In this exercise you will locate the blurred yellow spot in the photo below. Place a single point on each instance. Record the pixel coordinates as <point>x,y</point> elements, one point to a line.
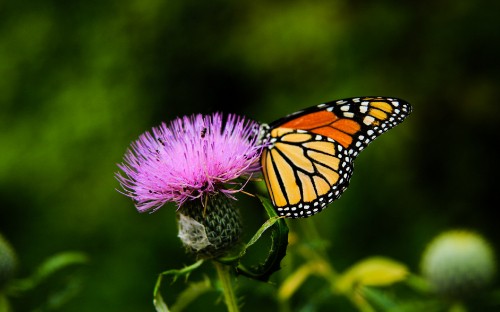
<point>375,271</point>
<point>294,281</point>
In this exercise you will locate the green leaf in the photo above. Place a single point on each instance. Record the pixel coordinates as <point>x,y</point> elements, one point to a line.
<point>190,294</point>
<point>296,279</point>
<point>48,268</point>
<point>378,298</point>
<point>374,271</point>
<point>388,302</point>
<point>233,256</point>
<point>58,262</point>
<point>270,222</point>
<point>279,243</point>
<point>158,301</point>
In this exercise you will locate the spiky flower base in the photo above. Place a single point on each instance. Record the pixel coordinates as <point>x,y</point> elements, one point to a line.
<point>210,229</point>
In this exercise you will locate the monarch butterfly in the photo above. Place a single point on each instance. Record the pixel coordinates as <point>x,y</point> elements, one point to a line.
<point>308,156</point>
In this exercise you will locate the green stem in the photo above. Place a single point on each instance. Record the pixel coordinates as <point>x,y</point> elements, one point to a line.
<point>227,287</point>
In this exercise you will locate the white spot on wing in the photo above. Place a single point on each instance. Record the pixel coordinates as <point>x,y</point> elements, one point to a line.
<point>368,120</point>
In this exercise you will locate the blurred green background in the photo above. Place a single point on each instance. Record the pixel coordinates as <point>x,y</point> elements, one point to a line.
<point>80,80</point>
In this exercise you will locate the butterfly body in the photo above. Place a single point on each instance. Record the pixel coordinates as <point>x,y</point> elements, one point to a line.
<point>308,157</point>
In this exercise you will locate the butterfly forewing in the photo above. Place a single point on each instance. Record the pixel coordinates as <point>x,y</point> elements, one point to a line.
<point>308,159</point>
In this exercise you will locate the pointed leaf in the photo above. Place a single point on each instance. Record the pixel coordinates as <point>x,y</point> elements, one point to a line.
<point>159,303</point>
<point>50,266</point>
<point>279,243</point>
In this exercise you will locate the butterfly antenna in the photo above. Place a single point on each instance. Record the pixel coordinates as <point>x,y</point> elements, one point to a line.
<point>247,193</point>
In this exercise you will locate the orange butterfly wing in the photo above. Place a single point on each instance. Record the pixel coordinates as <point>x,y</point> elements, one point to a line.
<point>308,160</point>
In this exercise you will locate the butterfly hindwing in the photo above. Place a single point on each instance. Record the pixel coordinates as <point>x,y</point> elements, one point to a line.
<point>308,158</point>
<point>304,172</point>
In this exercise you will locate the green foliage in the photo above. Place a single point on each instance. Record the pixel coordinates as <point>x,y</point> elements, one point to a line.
<point>279,243</point>
<point>184,298</point>
<point>59,269</point>
<point>261,272</point>
<point>81,79</point>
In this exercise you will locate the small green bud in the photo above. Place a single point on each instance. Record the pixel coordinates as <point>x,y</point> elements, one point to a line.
<point>8,261</point>
<point>458,263</point>
<point>211,229</point>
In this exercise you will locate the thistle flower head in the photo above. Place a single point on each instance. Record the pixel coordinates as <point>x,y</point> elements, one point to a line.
<point>190,158</point>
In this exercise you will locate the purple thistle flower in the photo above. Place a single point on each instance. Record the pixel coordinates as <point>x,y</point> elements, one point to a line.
<point>189,159</point>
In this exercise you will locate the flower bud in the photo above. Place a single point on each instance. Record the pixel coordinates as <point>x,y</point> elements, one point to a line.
<point>458,263</point>
<point>209,229</point>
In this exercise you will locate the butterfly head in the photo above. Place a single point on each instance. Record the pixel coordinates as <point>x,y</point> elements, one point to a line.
<point>263,134</point>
